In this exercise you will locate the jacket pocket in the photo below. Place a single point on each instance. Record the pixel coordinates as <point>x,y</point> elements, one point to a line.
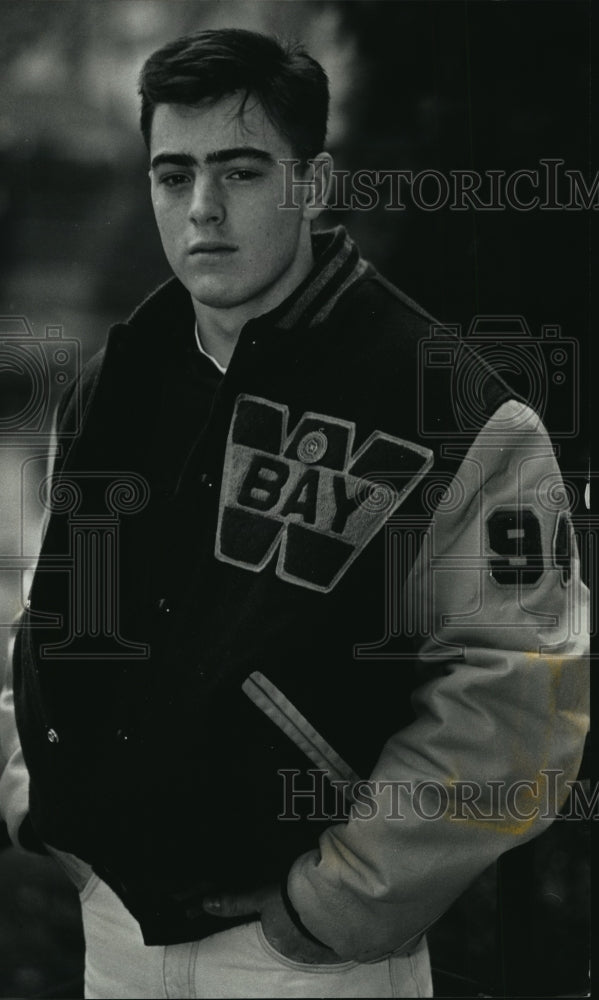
<point>267,697</point>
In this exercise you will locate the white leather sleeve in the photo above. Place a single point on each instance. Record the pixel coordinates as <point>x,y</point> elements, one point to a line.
<point>503,705</point>
<point>14,776</point>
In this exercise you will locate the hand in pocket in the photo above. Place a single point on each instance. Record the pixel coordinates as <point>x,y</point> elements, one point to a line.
<point>279,929</point>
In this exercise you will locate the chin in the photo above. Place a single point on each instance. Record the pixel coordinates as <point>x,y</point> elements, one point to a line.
<point>217,299</point>
<point>220,296</point>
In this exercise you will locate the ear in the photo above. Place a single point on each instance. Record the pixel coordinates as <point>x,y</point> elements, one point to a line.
<point>319,173</point>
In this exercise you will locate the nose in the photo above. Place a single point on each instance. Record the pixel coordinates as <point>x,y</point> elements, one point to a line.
<point>206,202</point>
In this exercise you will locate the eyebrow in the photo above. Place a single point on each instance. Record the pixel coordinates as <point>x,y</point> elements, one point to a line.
<point>218,156</point>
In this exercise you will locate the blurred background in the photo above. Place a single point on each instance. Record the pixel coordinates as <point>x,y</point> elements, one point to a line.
<point>415,86</point>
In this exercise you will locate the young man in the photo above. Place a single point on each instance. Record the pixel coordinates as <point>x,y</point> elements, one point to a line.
<point>201,694</point>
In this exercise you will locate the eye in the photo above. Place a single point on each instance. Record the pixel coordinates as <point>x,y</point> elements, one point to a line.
<point>173,180</point>
<point>243,174</point>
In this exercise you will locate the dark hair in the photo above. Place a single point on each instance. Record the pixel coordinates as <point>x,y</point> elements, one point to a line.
<point>291,86</point>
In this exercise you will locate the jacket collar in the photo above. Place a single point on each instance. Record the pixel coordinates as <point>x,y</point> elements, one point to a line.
<point>337,266</point>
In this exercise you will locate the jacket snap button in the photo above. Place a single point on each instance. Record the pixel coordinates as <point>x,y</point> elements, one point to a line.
<point>312,447</point>
<point>52,736</point>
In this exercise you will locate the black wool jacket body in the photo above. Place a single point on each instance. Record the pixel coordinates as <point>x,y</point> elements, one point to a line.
<point>310,587</point>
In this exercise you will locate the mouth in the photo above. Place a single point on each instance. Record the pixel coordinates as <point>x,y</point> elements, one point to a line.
<point>211,249</point>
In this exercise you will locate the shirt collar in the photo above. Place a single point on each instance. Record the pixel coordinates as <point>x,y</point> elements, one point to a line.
<point>222,368</point>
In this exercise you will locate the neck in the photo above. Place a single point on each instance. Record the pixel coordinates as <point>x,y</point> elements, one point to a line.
<point>219,329</point>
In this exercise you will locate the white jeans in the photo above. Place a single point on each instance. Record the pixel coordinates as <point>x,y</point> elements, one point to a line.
<point>238,962</point>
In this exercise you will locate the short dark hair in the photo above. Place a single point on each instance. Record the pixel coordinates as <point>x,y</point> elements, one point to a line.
<point>207,65</point>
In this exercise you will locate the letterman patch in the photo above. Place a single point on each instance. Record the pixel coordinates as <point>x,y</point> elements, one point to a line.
<point>303,493</point>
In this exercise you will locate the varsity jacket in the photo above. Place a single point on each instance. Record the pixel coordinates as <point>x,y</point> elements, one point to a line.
<point>342,645</point>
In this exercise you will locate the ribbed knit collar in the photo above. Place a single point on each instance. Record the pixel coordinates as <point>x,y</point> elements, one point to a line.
<point>337,265</point>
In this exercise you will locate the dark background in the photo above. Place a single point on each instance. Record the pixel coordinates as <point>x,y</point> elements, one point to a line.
<point>416,85</point>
